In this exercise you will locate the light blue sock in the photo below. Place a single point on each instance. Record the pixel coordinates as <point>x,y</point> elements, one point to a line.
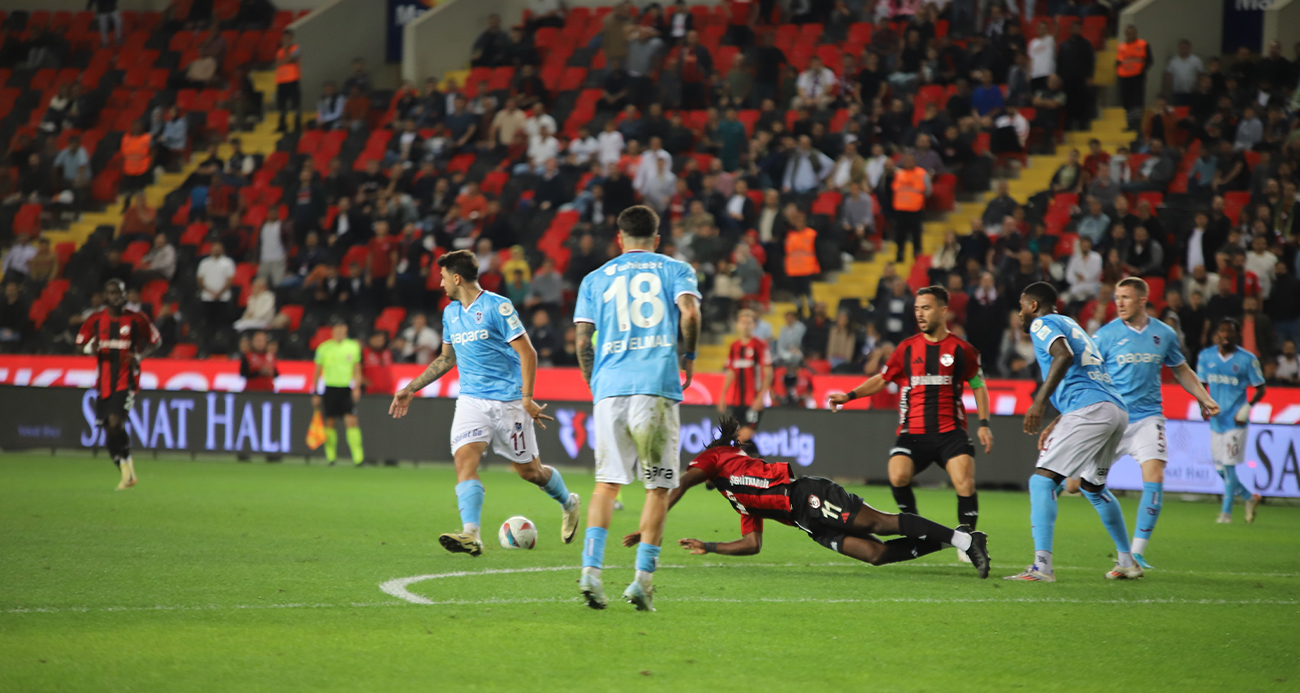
<point>469,498</point>
<point>1112,517</point>
<point>593,547</point>
<point>647,557</point>
<point>1042,511</point>
<point>1242,492</point>
<point>555,488</point>
<point>1153,497</point>
<point>1230,484</point>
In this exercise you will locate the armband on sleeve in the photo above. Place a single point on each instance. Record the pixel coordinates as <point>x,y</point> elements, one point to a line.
<point>978,381</point>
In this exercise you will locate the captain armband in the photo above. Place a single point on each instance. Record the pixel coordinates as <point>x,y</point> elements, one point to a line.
<point>978,381</point>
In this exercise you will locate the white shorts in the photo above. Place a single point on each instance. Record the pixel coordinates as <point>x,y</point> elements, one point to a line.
<point>1084,441</point>
<point>504,424</point>
<point>638,436</point>
<point>1228,449</point>
<point>1145,440</point>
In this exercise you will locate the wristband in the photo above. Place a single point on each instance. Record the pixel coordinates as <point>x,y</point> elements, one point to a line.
<point>710,547</point>
<point>688,355</point>
<point>852,394</point>
<point>984,423</point>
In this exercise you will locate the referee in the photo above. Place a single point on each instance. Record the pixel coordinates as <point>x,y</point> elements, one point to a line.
<point>339,361</point>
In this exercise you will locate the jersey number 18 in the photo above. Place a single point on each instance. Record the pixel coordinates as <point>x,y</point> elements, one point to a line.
<point>645,288</point>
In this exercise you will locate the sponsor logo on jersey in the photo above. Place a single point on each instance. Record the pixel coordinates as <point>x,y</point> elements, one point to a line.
<point>478,317</point>
<point>506,308</point>
<point>931,380</point>
<point>471,433</point>
<point>814,502</point>
<point>467,337</point>
<point>1216,378</point>
<point>1156,338</point>
<point>753,481</point>
<point>116,344</point>
<point>125,330</point>
<point>946,360</point>
<point>1121,359</point>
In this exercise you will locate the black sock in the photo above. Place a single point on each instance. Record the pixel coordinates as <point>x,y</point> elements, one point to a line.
<point>917,527</point>
<point>118,442</point>
<point>907,548</point>
<point>968,510</point>
<point>904,497</point>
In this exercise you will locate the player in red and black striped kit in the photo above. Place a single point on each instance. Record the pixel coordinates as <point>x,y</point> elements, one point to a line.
<point>748,378</point>
<point>930,368</point>
<point>833,517</point>
<point>119,338</point>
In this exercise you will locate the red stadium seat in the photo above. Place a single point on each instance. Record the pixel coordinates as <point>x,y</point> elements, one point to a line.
<point>184,350</point>
<point>294,314</point>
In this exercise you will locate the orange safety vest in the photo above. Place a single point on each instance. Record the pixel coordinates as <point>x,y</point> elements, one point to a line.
<point>1131,57</point>
<point>135,154</point>
<point>287,72</point>
<point>801,253</point>
<point>909,189</point>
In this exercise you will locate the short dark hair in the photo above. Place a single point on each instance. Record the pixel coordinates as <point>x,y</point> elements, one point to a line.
<point>1135,283</point>
<point>1042,292</point>
<point>639,222</point>
<point>1230,321</point>
<point>940,294</point>
<point>462,263</point>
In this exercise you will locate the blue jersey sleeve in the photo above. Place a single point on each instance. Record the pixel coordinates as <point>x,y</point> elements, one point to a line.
<point>685,282</point>
<point>1044,333</point>
<point>584,311</point>
<point>446,330</point>
<point>1203,366</point>
<point>1173,352</point>
<point>1256,373</point>
<point>507,321</point>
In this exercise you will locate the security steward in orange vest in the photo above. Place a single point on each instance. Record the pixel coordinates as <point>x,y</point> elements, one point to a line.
<point>288,81</point>
<point>801,258</point>
<point>911,188</point>
<point>137,160</point>
<point>1132,60</point>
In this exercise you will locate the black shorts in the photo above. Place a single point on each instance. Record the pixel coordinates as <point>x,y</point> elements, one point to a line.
<point>824,510</point>
<point>746,416</point>
<point>119,403</point>
<point>936,448</point>
<point>336,402</point>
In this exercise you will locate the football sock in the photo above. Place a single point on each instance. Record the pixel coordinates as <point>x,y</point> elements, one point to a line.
<point>555,488</point>
<point>960,540</point>
<point>118,443</point>
<point>968,510</point>
<point>354,444</point>
<point>1043,561</point>
<point>593,548</point>
<point>127,470</point>
<point>1153,497</point>
<point>1230,483</point>
<point>469,498</point>
<point>331,445</point>
<point>905,498</point>
<point>907,548</point>
<point>1042,514</point>
<point>1113,519</point>
<point>647,557</point>
<point>919,528</point>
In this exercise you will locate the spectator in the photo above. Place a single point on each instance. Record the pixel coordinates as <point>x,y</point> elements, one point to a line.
<point>288,81</point>
<point>1104,188</point>
<point>274,239</point>
<point>381,263</point>
<point>115,269</point>
<point>259,313</point>
<point>73,168</point>
<point>356,110</point>
<point>1283,305</point>
<point>741,215</point>
<point>645,53</point>
<point>1069,176</point>
<point>1257,335</point>
<point>44,264</point>
<point>1083,273</point>
<point>489,49</point>
<point>695,69</point>
<point>1233,173</point>
<point>858,215</point>
<point>987,99</point>
<point>1262,262</point>
<point>658,187</point>
<point>1017,358</point>
<point>137,160</point>
<point>817,86</point>
<point>139,223</point>
<point>768,62</point>
<point>927,158</point>
<point>806,169</point>
<point>1156,172</point>
<point>1182,73</point>
<point>895,310</point>
<point>1145,257</point>
<point>544,338</point>
<point>1001,206</point>
<point>516,289</point>
<point>1250,130</point>
<point>330,107</point>
<point>422,342</point>
<point>171,138</point>
<point>358,78</point>
<point>547,288</point>
<point>508,125</point>
<point>216,274</point>
<point>1288,366</point>
<point>1132,60</point>
<point>109,18</point>
<point>15,326</point>
<point>1042,57</point>
<point>617,34</point>
<point>1224,304</point>
<point>911,189</point>
<point>157,264</point>
<point>801,263</point>
<point>789,345</point>
<point>1075,65</point>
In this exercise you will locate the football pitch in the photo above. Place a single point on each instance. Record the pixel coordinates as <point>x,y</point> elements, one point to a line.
<point>216,576</point>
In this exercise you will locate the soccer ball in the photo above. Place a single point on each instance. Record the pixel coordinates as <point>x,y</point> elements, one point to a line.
<point>518,532</point>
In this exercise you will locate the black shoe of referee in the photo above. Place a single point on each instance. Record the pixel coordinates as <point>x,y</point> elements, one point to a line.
<point>978,553</point>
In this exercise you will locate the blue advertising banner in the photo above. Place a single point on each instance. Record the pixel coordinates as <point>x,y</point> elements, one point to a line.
<point>401,12</point>
<point>1243,24</point>
<point>1272,467</point>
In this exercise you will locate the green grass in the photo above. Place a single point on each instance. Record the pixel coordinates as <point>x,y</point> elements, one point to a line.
<point>224,577</point>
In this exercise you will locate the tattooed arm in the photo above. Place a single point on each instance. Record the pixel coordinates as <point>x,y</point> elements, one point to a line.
<point>586,349</point>
<point>690,322</point>
<point>440,367</point>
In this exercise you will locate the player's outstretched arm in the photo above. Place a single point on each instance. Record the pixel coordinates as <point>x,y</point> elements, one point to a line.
<point>748,545</point>
<point>528,374</point>
<point>438,368</point>
<point>1187,378</point>
<point>982,410</point>
<point>874,385</point>
<point>694,476</point>
<point>1061,361</point>
<point>689,306</point>
<point>586,348</point>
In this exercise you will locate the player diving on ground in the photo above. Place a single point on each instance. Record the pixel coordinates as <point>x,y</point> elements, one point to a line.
<point>485,339</point>
<point>833,517</point>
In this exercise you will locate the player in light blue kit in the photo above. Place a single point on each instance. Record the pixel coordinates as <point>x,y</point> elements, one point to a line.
<point>1082,441</point>
<point>627,318</point>
<point>1229,370</point>
<point>484,338</point>
<point>1134,348</point>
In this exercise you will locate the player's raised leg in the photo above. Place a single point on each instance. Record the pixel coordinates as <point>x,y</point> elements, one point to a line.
<point>901,470</point>
<point>549,480</point>
<point>515,438</point>
<point>920,537</point>
<point>655,426</point>
<point>469,500</point>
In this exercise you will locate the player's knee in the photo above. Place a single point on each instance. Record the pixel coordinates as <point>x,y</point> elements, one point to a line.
<point>533,473</point>
<point>350,421</point>
<point>899,477</point>
<point>1153,472</point>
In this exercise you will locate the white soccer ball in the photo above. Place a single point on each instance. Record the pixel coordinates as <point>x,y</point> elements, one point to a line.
<point>518,532</point>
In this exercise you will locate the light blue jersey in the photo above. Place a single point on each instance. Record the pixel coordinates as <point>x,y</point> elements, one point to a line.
<point>1227,377</point>
<point>1087,382</point>
<point>1133,358</point>
<point>481,335</point>
<point>632,301</point>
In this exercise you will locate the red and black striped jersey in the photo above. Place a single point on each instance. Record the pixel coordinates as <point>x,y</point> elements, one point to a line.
<point>747,359</point>
<point>930,376</point>
<point>755,488</point>
<point>117,339</point>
